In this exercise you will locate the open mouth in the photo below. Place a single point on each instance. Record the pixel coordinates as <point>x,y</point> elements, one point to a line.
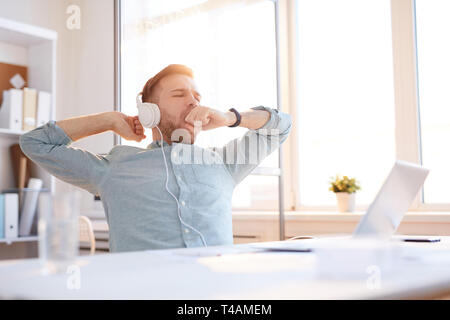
<point>189,127</point>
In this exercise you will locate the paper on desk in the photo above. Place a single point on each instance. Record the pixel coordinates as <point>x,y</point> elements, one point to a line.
<point>257,262</point>
<point>189,254</point>
<point>215,251</point>
<point>439,256</point>
<point>237,259</point>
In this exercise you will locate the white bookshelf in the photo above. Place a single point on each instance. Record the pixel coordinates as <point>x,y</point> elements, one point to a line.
<point>35,48</point>
<point>9,132</point>
<point>20,239</point>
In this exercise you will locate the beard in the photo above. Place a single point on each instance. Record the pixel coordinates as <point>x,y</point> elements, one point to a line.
<point>183,134</point>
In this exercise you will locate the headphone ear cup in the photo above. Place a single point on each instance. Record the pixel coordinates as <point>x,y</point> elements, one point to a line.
<point>149,114</point>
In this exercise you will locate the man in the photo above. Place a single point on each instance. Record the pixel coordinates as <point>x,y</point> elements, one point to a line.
<point>131,181</point>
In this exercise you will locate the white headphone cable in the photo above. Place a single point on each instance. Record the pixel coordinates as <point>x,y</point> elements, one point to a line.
<point>167,188</point>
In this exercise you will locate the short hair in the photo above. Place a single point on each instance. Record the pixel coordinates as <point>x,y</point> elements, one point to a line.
<point>170,69</point>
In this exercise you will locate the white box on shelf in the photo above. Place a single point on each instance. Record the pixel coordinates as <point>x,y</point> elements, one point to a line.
<point>11,201</point>
<point>43,108</point>
<point>12,109</point>
<point>2,216</point>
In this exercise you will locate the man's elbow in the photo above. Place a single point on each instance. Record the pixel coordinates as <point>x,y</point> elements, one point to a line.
<point>286,124</point>
<point>28,145</point>
<point>289,119</point>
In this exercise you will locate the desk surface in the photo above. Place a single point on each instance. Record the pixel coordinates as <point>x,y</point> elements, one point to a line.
<point>228,272</point>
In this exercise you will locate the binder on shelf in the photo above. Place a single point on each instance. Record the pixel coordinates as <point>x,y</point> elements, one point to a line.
<point>43,108</point>
<point>2,216</point>
<point>11,112</point>
<point>29,109</point>
<point>28,209</point>
<point>11,202</point>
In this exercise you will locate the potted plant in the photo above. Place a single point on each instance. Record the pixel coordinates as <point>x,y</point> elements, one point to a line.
<point>345,189</point>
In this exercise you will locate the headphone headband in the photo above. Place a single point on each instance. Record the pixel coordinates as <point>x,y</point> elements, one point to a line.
<point>138,98</point>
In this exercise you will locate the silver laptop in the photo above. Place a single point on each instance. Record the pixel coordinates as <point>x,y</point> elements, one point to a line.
<point>384,214</point>
<point>392,201</point>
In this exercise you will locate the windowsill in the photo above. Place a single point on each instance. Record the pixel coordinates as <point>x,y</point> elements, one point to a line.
<point>412,216</point>
<point>100,225</point>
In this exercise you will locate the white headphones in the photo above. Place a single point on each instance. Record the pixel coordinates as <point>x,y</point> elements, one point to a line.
<point>149,114</point>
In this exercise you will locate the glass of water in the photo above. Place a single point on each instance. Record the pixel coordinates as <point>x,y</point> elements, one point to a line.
<point>58,231</point>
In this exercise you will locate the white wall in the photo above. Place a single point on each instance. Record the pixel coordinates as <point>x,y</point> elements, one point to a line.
<point>89,85</point>
<point>13,54</point>
<point>85,62</point>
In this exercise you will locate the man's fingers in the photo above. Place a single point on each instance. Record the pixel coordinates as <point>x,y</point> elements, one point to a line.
<point>131,123</point>
<point>137,123</point>
<point>137,126</point>
<point>204,120</point>
<point>198,114</point>
<point>188,118</point>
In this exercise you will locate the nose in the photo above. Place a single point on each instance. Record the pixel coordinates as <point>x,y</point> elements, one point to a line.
<point>193,102</point>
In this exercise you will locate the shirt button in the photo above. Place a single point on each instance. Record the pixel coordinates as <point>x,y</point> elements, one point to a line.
<point>183,204</point>
<point>186,230</point>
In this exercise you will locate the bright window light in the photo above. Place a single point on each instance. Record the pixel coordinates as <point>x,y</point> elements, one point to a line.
<point>346,115</point>
<point>230,45</point>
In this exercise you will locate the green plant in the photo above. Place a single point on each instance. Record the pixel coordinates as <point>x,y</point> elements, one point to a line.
<point>344,184</point>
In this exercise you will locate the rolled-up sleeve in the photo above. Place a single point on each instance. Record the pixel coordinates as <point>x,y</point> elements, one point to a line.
<point>48,146</point>
<point>242,155</point>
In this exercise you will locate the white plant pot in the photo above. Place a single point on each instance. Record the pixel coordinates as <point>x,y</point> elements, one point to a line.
<point>346,201</point>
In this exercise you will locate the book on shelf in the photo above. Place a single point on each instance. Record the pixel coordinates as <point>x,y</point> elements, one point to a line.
<point>23,167</point>
<point>29,109</point>
<point>29,206</point>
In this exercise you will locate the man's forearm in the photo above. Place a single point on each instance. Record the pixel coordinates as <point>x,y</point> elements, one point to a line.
<point>253,119</point>
<point>84,126</point>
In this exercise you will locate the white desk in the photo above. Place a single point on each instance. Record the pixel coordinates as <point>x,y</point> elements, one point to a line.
<point>232,272</point>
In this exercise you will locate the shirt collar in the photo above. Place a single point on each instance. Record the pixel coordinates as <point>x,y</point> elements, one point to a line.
<point>157,144</point>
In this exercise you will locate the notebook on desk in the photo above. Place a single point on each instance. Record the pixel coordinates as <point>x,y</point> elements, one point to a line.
<point>384,215</point>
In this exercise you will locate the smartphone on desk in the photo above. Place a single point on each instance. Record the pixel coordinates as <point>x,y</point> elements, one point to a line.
<point>420,238</point>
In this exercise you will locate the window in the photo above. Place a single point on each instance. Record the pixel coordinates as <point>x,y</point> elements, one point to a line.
<point>231,47</point>
<point>433,52</point>
<point>346,112</point>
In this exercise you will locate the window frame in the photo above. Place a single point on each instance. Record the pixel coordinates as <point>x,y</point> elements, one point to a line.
<point>407,111</point>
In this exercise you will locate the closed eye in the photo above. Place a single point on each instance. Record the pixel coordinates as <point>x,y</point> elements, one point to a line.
<point>182,95</point>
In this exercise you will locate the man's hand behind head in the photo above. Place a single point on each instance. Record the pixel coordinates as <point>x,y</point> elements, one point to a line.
<point>129,128</point>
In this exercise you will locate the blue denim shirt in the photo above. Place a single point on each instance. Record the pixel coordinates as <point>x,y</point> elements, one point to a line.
<point>140,213</point>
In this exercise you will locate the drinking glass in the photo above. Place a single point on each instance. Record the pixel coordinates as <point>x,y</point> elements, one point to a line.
<point>58,231</point>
